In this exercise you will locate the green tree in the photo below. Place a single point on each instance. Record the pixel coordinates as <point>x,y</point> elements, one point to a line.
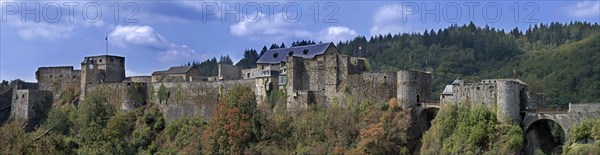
<point>235,125</point>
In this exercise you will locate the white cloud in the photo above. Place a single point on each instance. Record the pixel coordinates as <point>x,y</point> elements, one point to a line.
<point>275,28</point>
<point>266,27</point>
<point>145,36</point>
<point>585,9</point>
<point>389,28</point>
<point>28,28</point>
<point>31,31</point>
<point>129,72</point>
<point>178,54</point>
<point>388,19</point>
<point>337,33</point>
<point>387,13</point>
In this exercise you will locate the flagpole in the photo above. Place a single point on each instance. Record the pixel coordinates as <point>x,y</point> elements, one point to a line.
<point>106,39</point>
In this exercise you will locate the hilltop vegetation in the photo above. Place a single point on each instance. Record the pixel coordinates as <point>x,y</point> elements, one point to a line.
<point>585,138</point>
<point>470,130</point>
<point>559,60</point>
<point>238,126</point>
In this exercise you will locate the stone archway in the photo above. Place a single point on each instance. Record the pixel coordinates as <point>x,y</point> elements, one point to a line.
<point>426,116</point>
<point>546,135</point>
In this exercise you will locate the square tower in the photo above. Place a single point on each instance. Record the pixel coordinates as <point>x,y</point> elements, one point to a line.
<point>102,69</point>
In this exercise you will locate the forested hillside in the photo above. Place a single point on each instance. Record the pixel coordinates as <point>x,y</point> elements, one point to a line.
<point>560,60</point>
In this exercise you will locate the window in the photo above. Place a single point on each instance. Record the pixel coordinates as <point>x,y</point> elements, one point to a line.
<point>50,76</point>
<point>60,76</point>
<point>112,60</point>
<point>100,60</point>
<point>418,99</point>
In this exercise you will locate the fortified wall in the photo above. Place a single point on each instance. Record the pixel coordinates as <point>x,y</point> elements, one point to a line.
<point>375,87</point>
<point>508,96</point>
<point>175,99</point>
<point>317,80</point>
<point>60,81</point>
<point>186,99</point>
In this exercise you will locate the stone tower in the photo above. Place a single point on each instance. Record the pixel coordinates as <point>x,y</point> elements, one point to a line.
<point>101,69</point>
<point>414,87</point>
<point>511,95</point>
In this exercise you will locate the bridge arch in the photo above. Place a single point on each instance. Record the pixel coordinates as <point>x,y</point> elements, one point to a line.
<point>425,116</point>
<point>545,134</point>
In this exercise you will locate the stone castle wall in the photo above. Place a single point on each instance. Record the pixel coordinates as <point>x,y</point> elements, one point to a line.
<point>186,99</point>
<point>535,101</point>
<point>476,94</point>
<point>125,96</point>
<point>28,104</point>
<point>138,79</point>
<point>58,80</point>
<point>372,87</point>
<point>229,72</point>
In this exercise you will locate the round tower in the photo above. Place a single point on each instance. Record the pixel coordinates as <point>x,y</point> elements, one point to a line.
<point>510,100</point>
<point>414,87</point>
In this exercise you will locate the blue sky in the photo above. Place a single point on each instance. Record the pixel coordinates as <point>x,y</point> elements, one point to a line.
<point>154,35</point>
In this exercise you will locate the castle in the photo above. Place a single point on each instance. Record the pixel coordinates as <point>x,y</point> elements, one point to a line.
<point>309,75</point>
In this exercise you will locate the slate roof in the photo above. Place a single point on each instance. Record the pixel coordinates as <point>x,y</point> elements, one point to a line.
<point>274,56</point>
<point>174,70</point>
<point>448,90</point>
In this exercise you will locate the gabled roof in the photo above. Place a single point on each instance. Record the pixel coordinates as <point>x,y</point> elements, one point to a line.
<point>274,56</point>
<point>174,70</point>
<point>448,90</point>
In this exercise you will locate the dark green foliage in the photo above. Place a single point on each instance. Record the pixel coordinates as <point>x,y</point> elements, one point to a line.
<point>58,121</point>
<point>208,68</point>
<point>163,94</point>
<point>559,60</point>
<point>225,60</point>
<point>182,136</point>
<point>237,127</point>
<point>584,138</point>
<point>263,50</point>
<point>274,46</point>
<point>249,59</point>
<point>302,43</point>
<point>470,130</point>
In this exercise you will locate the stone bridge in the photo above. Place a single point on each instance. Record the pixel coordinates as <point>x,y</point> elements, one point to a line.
<point>566,118</point>
<point>537,124</point>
